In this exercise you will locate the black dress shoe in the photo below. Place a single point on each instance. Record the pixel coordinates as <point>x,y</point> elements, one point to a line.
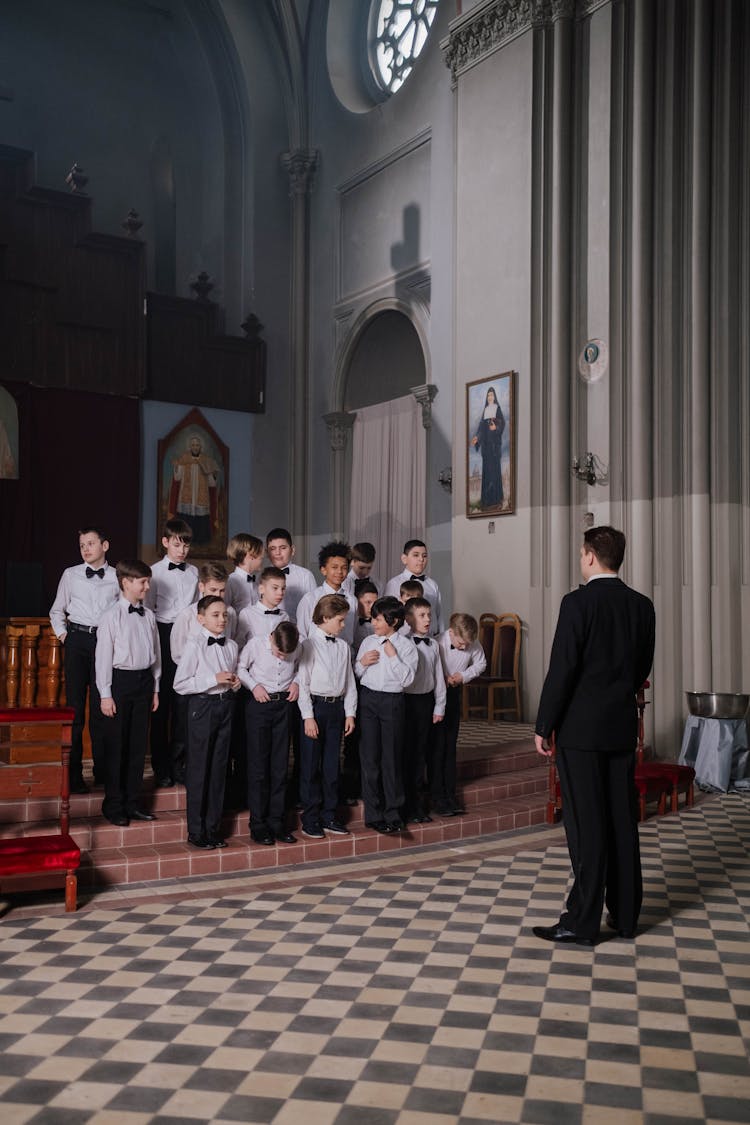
<point>266,838</point>
<point>558,932</point>
<point>164,782</point>
<point>314,833</point>
<point>217,841</point>
<point>79,786</point>
<point>336,827</point>
<point>118,821</point>
<point>629,934</point>
<point>395,825</point>
<point>200,842</point>
<point>379,826</point>
<point>139,814</point>
<point>286,838</point>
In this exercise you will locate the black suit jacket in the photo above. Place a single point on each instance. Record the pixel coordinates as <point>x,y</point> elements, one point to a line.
<point>602,653</point>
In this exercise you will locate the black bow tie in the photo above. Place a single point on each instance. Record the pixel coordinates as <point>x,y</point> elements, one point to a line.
<point>136,609</point>
<point>90,573</point>
<point>176,566</point>
<point>275,612</point>
<point>421,640</point>
<point>330,638</point>
<point>365,620</point>
<point>251,577</point>
<point>417,578</point>
<point>216,641</point>
<point>284,569</point>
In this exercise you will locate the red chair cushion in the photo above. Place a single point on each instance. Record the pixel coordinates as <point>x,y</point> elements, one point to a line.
<point>668,770</point>
<point>27,854</point>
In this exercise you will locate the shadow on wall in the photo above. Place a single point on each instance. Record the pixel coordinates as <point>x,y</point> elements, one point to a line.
<point>405,254</point>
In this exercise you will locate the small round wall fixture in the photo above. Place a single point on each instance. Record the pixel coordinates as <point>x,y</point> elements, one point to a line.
<point>398,31</point>
<point>593,360</point>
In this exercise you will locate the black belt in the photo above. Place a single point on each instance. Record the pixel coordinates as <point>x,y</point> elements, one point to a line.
<point>72,627</point>
<point>274,696</point>
<point>214,695</point>
<point>326,698</point>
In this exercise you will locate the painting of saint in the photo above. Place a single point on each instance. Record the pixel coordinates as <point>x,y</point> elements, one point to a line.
<point>192,496</point>
<point>193,481</point>
<point>489,482</point>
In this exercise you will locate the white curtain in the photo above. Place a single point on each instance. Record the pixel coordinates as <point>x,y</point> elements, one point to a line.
<point>388,486</point>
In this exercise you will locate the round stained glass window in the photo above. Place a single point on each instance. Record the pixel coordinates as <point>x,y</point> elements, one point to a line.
<point>398,32</point>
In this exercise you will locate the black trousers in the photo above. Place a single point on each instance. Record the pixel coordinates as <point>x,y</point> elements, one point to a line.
<point>600,814</point>
<point>168,722</point>
<point>419,728</point>
<point>126,736</point>
<point>267,727</point>
<point>381,751</point>
<point>319,765</point>
<point>441,761</point>
<point>209,729</point>
<point>80,680</point>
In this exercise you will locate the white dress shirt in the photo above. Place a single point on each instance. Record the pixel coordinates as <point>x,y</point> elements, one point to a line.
<point>309,602</point>
<point>299,581</point>
<point>127,641</point>
<point>361,631</point>
<point>199,663</point>
<point>429,675</point>
<point>171,590</point>
<point>389,673</point>
<point>351,579</point>
<point>469,661</point>
<point>431,592</point>
<point>187,625</point>
<point>259,666</point>
<point>258,620</point>
<point>326,669</point>
<point>81,599</point>
<point>242,589</point>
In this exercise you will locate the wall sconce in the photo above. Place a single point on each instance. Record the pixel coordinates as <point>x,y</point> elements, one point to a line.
<point>590,469</point>
<point>445,478</point>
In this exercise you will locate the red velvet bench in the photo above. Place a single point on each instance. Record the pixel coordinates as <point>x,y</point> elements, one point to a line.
<point>29,737</point>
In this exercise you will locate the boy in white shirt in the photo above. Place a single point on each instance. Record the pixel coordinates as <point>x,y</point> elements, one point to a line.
<point>463,659</point>
<point>84,593</point>
<point>414,559</point>
<point>174,585</point>
<point>128,668</point>
<point>386,665</point>
<point>363,561</point>
<point>207,675</point>
<point>261,618</point>
<point>424,701</point>
<point>328,704</point>
<point>246,552</point>
<point>366,594</point>
<point>299,580</point>
<point>267,668</point>
<point>333,560</point>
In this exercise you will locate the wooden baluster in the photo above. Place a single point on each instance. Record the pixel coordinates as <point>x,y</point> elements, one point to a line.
<point>12,671</point>
<point>29,643</point>
<point>54,663</point>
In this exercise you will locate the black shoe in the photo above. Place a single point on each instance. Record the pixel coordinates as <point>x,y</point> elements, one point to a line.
<point>118,821</point>
<point>286,838</point>
<point>558,932</point>
<point>395,825</point>
<point>79,786</point>
<point>164,782</point>
<point>421,818</point>
<point>200,842</point>
<point>217,841</point>
<point>628,934</point>
<point>314,833</point>
<point>379,826</point>
<point>139,814</point>
<point>336,827</point>
<point>264,836</point>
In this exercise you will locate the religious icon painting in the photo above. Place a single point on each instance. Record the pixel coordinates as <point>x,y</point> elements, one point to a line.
<point>491,440</point>
<point>193,484</point>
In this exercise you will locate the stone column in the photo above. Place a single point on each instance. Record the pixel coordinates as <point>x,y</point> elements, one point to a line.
<point>300,165</point>
<point>339,425</point>
<point>424,394</point>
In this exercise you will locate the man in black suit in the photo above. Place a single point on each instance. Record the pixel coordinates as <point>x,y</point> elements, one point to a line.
<point>601,654</point>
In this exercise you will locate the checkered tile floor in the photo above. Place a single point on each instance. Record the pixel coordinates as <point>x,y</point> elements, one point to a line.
<point>408,997</point>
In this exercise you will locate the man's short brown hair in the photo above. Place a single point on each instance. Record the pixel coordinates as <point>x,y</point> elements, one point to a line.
<point>608,544</point>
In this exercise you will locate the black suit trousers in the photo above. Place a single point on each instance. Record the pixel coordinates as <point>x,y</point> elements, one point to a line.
<point>80,679</point>
<point>600,814</point>
<point>209,729</point>
<point>126,734</point>
<point>381,752</point>
<point>267,726</point>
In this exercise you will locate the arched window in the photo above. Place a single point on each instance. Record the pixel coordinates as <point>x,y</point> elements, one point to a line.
<point>398,32</point>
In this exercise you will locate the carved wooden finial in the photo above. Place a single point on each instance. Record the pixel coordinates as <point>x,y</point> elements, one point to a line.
<point>202,286</point>
<point>132,223</point>
<point>76,180</point>
<point>252,327</point>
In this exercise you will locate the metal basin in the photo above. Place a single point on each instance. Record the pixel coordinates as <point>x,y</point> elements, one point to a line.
<point>717,704</point>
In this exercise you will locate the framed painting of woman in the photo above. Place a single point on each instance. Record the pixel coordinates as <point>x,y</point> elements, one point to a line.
<point>490,457</point>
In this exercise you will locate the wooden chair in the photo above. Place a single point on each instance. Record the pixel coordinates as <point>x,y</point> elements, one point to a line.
<point>678,779</point>
<point>502,675</point>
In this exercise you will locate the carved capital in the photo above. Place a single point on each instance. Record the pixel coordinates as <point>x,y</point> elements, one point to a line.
<point>339,423</point>
<point>424,394</point>
<point>301,165</point>
<point>491,25</point>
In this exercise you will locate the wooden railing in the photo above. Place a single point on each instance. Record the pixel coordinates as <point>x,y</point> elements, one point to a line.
<point>31,663</point>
